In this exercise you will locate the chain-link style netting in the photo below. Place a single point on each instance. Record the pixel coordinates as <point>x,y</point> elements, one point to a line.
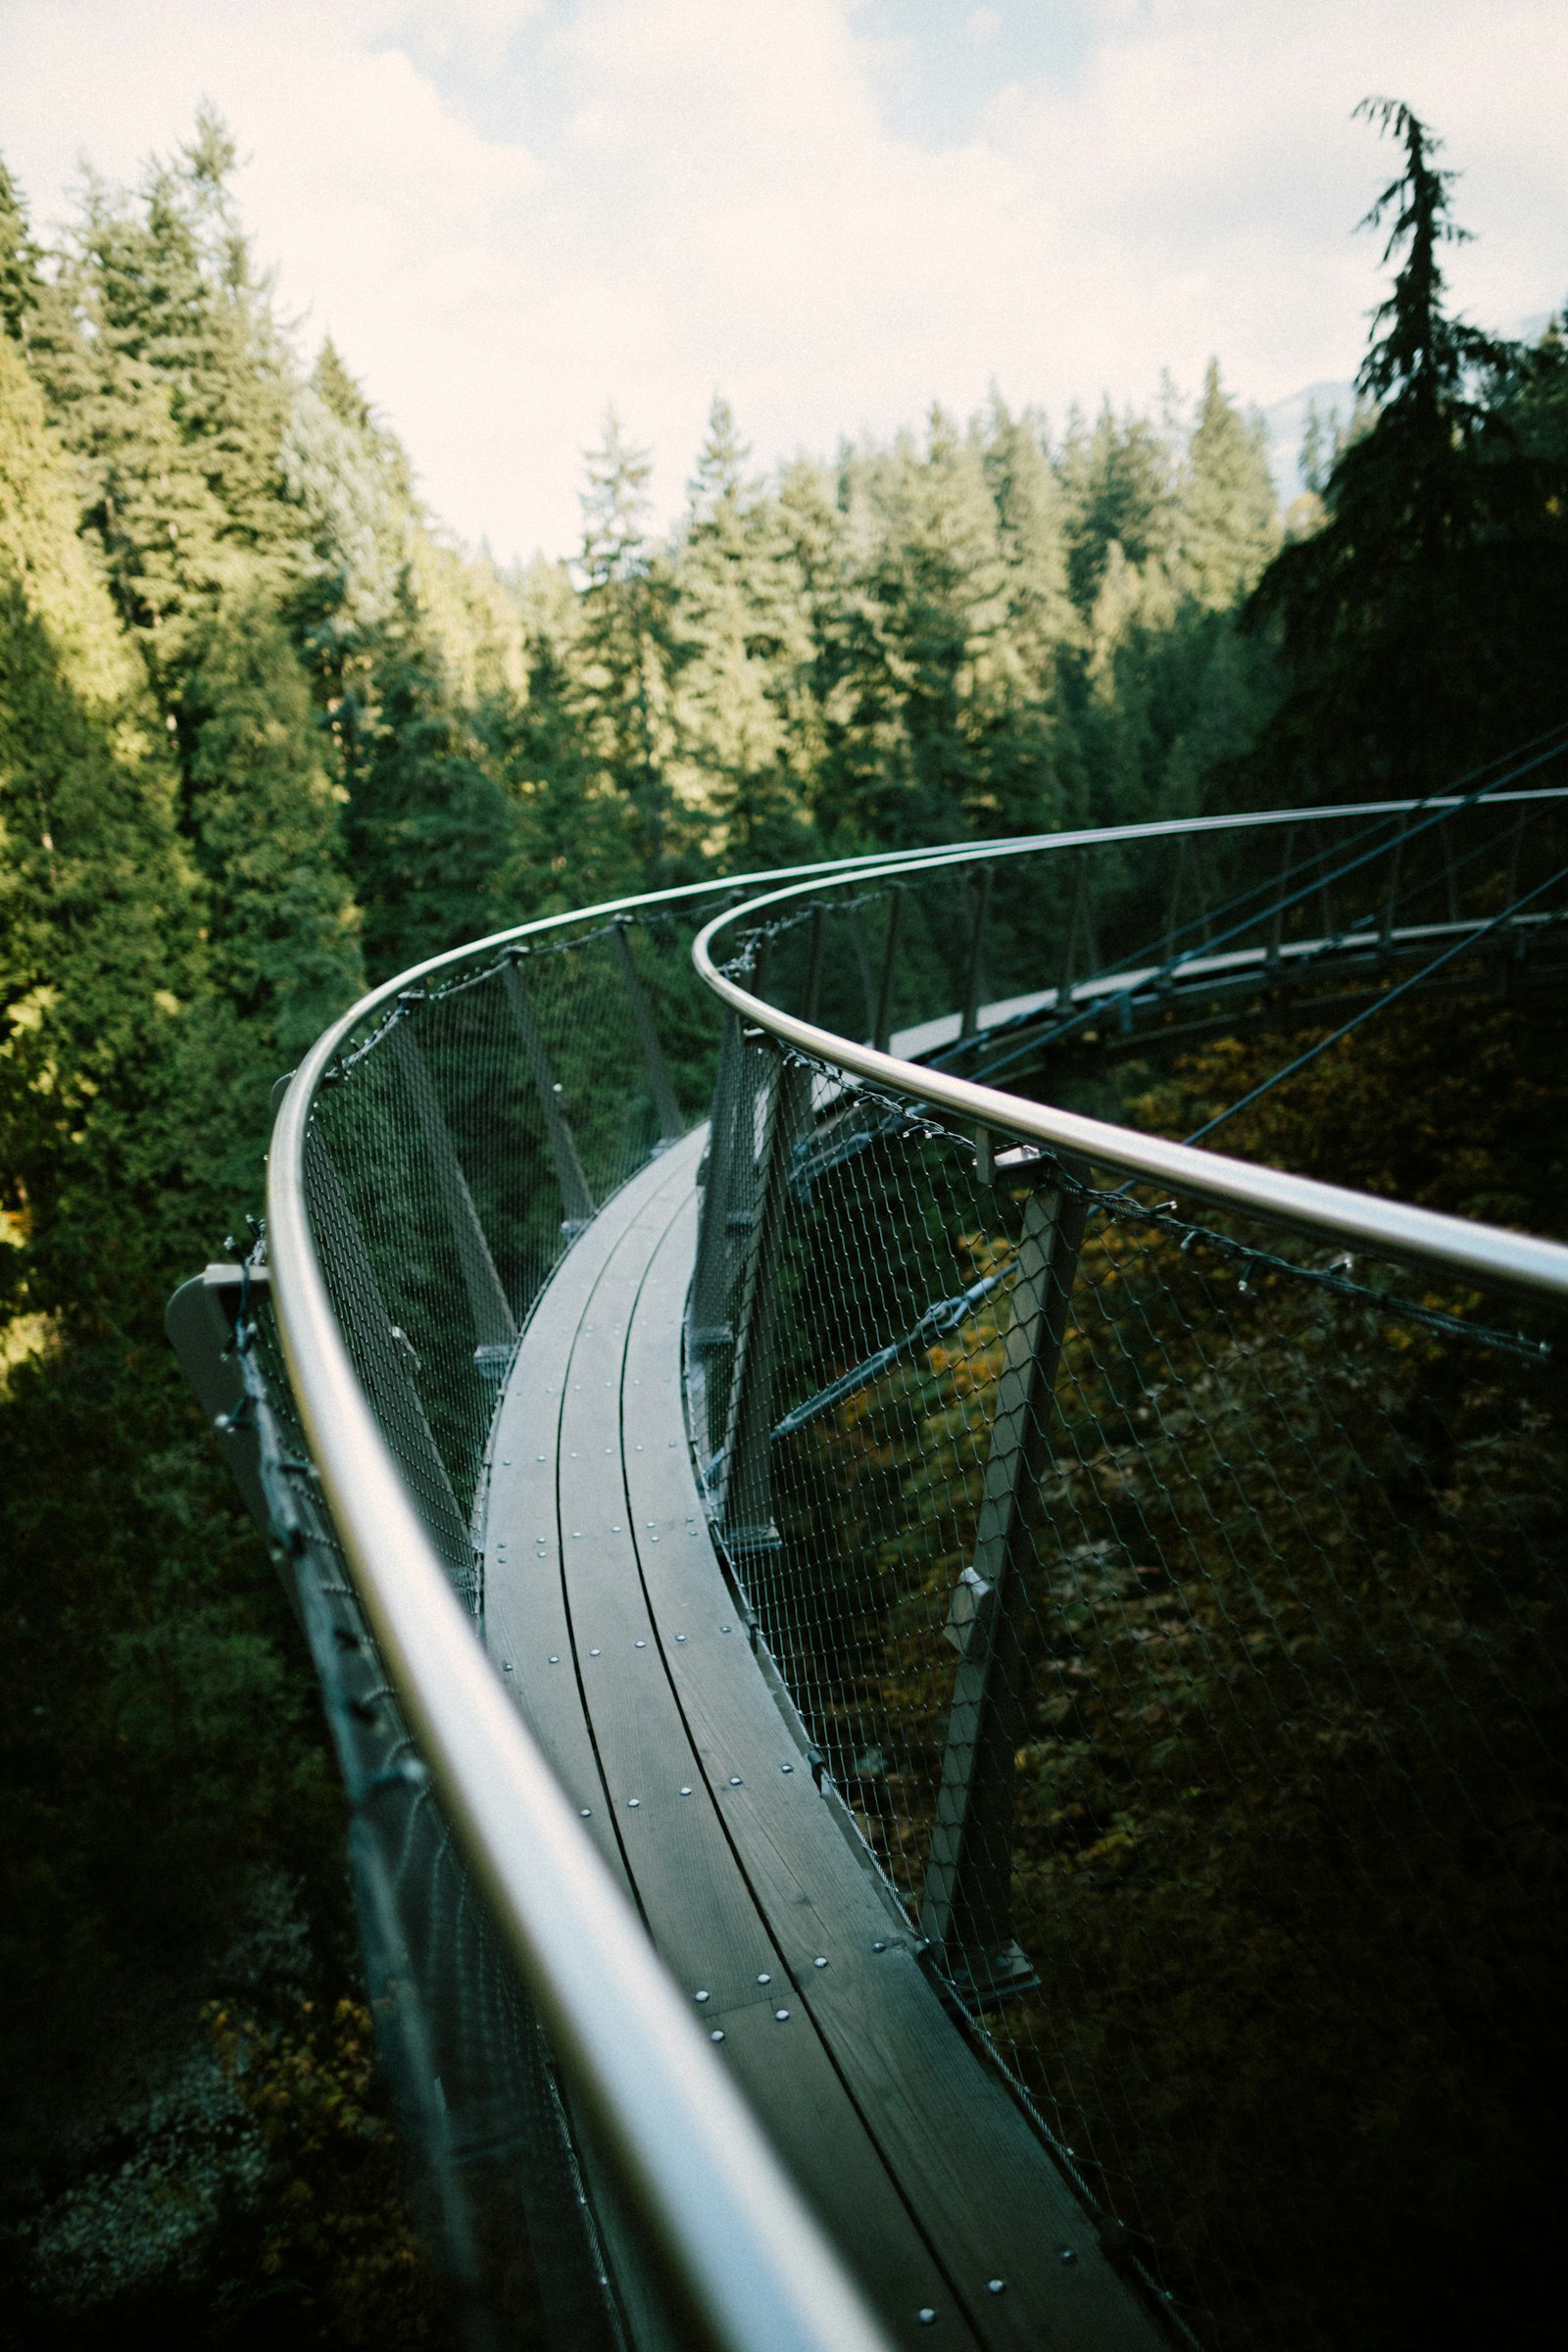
<point>1183,1622</point>
<point>455,1151</point>
<point>1177,1603</point>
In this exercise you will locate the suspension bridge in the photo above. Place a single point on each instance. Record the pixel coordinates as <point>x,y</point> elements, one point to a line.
<point>904,1651</point>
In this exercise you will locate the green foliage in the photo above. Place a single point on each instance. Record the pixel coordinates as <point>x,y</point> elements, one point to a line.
<point>1422,626</point>
<point>623,682</point>
<point>429,824</point>
<point>100,943</point>
<point>740,655</point>
<point>1227,523</point>
<point>18,271</point>
<point>282,946</point>
<point>335,2260</point>
<point>160,1754</point>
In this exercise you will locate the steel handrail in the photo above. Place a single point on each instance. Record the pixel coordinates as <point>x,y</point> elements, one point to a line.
<point>723,2219</point>
<point>1486,1254</point>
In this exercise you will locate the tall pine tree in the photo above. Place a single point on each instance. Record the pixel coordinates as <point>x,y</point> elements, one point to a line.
<point>624,689</point>
<point>740,648</point>
<point>1425,626</point>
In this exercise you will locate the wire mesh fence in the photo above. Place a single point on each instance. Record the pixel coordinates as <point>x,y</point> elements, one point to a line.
<point>1180,1612</point>
<point>456,1149</point>
<point>987,964</point>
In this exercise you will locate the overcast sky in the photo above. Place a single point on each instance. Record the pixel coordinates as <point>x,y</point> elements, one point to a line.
<point>509,213</point>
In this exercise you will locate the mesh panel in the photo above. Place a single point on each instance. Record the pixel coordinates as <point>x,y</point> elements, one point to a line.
<point>456,1149</point>
<point>1178,1606</point>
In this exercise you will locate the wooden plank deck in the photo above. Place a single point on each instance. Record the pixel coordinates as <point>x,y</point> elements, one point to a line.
<point>608,1612</point>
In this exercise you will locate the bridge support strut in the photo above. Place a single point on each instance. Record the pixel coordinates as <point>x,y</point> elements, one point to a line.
<point>967,1910</point>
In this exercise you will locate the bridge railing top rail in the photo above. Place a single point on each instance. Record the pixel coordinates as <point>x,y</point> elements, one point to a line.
<point>725,953</point>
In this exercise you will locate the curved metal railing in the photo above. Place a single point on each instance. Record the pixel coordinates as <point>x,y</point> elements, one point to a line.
<point>1488,1255</point>
<point>664,2142</point>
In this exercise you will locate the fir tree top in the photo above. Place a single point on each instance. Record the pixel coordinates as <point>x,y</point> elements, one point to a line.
<point>18,261</point>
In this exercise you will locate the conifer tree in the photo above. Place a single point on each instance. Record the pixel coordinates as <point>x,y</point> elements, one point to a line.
<point>100,948</point>
<point>142,1797</point>
<point>1030,512</point>
<point>431,829</point>
<point>1042,626</point>
<point>921,686</point>
<point>267,822</point>
<point>1117,489</point>
<point>168,379</point>
<point>623,679</point>
<point>1227,514</point>
<point>739,648</point>
<point>576,837</point>
<point>19,261</point>
<point>1423,625</point>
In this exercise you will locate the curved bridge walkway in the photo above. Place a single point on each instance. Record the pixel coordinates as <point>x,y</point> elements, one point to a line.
<point>608,1612</point>
<point>574,2103</point>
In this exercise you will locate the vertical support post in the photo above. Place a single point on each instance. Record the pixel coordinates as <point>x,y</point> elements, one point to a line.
<point>665,1107</point>
<point>725,1225</point>
<point>576,1200</point>
<point>1079,926</point>
<point>1276,918</point>
<point>967,1909</point>
<point>882,1027</point>
<point>494,1327</point>
<point>1391,894</point>
<point>813,965</point>
<point>708,1326</point>
<point>974,982</point>
<point>862,959</point>
<point>746,1507</point>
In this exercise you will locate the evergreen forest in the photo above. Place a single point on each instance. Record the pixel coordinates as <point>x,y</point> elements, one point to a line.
<point>267,734</point>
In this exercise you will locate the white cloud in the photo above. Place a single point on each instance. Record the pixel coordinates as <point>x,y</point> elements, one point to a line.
<point>710,195</point>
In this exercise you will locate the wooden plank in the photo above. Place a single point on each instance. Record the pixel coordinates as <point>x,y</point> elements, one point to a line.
<point>975,2173</point>
<point>682,1867</point>
<point>526,1630</point>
